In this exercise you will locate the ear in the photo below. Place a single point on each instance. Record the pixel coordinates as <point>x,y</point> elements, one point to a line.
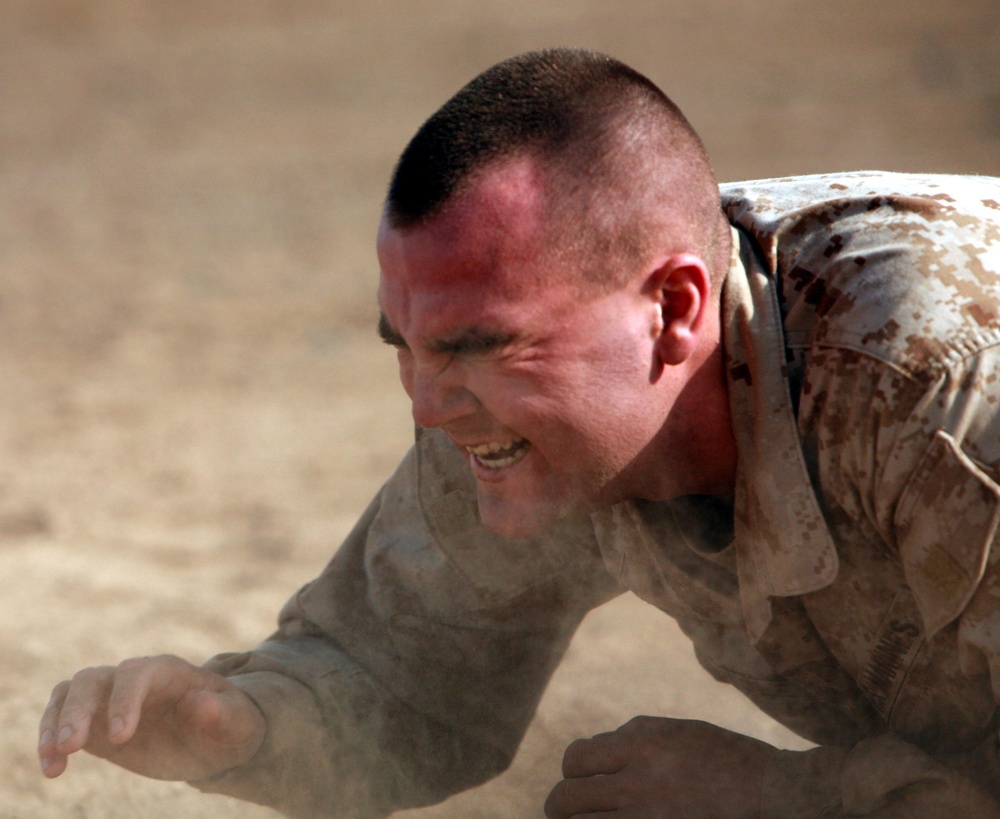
<point>681,288</point>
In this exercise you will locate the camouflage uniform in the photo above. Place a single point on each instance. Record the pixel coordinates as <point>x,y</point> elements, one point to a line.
<point>848,587</point>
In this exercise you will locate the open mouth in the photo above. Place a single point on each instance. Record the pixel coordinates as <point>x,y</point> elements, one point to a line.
<point>498,454</point>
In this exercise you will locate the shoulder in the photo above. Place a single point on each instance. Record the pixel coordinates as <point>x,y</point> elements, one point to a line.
<point>905,268</point>
<point>825,199</point>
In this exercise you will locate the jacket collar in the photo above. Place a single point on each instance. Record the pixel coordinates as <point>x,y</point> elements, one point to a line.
<point>784,547</point>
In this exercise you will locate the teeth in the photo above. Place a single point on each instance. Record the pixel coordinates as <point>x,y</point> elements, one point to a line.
<point>496,454</point>
<point>494,446</point>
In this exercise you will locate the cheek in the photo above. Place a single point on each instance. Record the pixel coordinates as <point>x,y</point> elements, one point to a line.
<point>542,411</point>
<point>405,362</point>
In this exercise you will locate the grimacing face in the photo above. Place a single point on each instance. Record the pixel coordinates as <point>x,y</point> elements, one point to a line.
<point>544,386</point>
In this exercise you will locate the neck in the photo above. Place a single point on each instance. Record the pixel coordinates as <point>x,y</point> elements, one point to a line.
<point>696,450</point>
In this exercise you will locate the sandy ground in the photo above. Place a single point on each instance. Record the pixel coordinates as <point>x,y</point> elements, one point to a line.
<point>194,405</point>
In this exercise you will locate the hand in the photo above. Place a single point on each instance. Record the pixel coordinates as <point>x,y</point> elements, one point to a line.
<point>656,767</point>
<point>158,716</point>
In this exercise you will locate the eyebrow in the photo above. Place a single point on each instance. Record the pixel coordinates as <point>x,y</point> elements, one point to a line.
<point>388,334</point>
<point>473,341</point>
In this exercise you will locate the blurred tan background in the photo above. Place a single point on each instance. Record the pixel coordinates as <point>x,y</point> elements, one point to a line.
<point>195,407</point>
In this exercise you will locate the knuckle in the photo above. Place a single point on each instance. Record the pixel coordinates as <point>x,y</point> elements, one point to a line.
<point>89,676</point>
<point>131,665</point>
<point>638,722</point>
<point>59,692</point>
<point>642,727</point>
<point>140,665</point>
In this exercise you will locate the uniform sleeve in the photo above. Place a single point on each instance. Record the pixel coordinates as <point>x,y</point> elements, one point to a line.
<point>411,667</point>
<point>883,777</point>
<point>922,460</point>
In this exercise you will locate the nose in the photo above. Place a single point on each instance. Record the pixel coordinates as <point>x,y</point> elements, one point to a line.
<point>437,396</point>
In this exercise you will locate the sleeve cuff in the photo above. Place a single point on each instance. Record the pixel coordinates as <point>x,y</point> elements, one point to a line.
<point>283,772</point>
<point>802,784</point>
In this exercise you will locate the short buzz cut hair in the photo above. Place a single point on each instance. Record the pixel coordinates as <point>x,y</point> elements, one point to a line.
<point>625,166</point>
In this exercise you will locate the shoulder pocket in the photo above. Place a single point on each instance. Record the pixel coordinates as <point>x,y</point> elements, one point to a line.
<point>945,521</point>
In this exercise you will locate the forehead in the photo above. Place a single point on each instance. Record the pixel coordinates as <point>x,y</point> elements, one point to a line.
<point>493,235</point>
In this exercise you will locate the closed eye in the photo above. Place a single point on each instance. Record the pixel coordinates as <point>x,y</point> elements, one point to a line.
<point>474,342</point>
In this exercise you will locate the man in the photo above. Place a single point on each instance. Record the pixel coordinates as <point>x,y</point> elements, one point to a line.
<point>776,420</point>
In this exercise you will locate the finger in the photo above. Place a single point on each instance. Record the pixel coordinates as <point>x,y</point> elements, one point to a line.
<point>583,796</point>
<point>138,681</point>
<point>48,724</point>
<point>84,699</point>
<point>52,763</point>
<point>128,692</point>
<point>601,754</point>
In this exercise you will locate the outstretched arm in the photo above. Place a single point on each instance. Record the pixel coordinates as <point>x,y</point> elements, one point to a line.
<point>158,716</point>
<point>408,670</point>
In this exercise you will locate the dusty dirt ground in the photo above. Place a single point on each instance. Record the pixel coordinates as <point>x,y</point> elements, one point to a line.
<point>194,406</point>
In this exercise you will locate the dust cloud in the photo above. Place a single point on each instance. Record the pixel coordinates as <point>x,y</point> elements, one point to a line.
<point>195,406</point>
